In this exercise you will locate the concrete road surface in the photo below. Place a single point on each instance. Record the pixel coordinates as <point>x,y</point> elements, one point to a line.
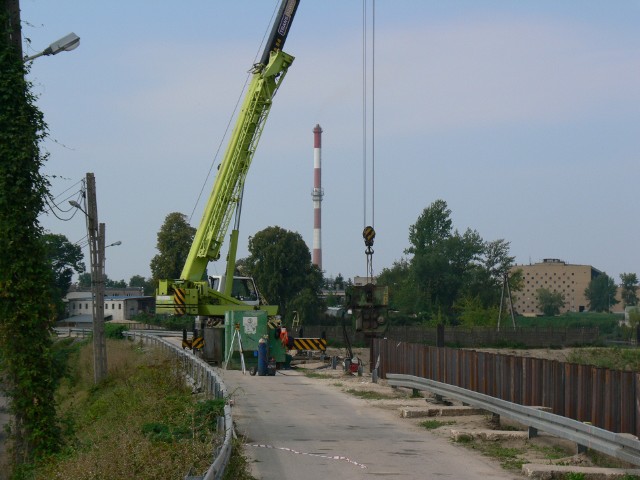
<point>295,428</point>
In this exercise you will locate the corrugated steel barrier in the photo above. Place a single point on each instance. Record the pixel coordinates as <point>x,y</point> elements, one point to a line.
<point>205,378</point>
<point>614,444</point>
<point>608,399</point>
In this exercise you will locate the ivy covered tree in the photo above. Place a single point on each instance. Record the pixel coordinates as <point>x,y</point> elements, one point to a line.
<point>174,242</point>
<point>29,374</point>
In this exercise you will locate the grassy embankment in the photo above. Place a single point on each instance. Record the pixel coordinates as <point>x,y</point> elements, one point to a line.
<point>141,422</point>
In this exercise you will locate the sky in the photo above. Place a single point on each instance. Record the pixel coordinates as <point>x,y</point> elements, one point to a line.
<point>523,116</point>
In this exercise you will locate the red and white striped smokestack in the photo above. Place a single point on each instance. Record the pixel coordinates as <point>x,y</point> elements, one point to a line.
<point>317,195</point>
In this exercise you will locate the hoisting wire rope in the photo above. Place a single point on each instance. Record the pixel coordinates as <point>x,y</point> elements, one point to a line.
<point>369,232</point>
<point>232,116</point>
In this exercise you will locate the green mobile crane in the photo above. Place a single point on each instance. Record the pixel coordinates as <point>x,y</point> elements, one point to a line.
<point>211,298</point>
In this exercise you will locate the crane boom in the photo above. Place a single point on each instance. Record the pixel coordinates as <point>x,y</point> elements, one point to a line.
<point>191,294</point>
<point>233,170</point>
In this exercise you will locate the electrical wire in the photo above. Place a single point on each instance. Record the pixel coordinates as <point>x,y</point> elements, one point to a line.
<point>54,207</point>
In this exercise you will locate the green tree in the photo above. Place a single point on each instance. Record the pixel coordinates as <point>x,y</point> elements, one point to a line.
<point>29,375</point>
<point>629,284</point>
<point>84,280</point>
<point>550,302</point>
<point>115,283</point>
<point>444,261</point>
<point>308,302</point>
<point>473,312</point>
<point>174,242</point>
<point>486,282</point>
<point>65,259</point>
<point>402,290</point>
<point>601,293</point>
<point>146,283</point>
<point>280,263</point>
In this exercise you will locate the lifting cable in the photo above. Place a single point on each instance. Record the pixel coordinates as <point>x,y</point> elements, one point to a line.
<point>368,232</point>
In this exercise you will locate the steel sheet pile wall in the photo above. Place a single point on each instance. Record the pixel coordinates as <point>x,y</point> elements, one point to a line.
<point>471,336</point>
<point>606,398</point>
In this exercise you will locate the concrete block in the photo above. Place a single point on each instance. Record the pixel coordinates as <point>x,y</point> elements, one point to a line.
<point>547,472</point>
<point>488,435</point>
<point>416,412</point>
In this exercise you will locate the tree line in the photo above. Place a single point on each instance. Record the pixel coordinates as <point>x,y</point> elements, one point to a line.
<point>445,276</point>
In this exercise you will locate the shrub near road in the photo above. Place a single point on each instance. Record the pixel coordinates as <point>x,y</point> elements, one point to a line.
<point>142,422</point>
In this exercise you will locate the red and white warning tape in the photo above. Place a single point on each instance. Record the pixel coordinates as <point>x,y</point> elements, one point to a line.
<point>330,457</point>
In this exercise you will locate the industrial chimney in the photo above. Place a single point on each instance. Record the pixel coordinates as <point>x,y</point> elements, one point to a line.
<point>317,195</point>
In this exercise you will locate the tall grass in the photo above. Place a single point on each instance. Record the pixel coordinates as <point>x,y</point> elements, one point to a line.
<point>141,422</point>
<point>612,358</point>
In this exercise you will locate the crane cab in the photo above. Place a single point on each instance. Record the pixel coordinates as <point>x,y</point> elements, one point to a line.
<point>243,289</point>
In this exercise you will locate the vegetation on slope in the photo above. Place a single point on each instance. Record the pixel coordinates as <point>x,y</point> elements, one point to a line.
<point>141,422</point>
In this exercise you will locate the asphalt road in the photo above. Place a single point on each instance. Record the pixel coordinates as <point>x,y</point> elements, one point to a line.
<point>295,428</point>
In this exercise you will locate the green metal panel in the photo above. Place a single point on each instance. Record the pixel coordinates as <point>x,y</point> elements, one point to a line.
<point>251,326</point>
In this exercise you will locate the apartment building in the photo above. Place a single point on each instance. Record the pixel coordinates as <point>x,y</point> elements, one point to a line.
<point>557,276</point>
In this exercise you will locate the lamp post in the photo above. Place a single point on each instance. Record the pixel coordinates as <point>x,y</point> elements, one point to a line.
<point>96,233</point>
<point>65,44</point>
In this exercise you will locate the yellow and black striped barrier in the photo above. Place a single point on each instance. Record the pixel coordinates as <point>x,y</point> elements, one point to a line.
<point>273,324</point>
<point>196,343</point>
<point>310,344</point>
<point>179,301</point>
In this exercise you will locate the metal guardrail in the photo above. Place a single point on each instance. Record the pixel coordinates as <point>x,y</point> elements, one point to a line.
<point>89,331</point>
<point>620,446</point>
<point>204,376</point>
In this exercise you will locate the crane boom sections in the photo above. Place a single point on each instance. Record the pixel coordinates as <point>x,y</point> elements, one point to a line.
<point>229,182</point>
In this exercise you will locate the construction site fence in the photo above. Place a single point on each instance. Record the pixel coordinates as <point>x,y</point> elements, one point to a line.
<point>608,399</point>
<point>467,337</point>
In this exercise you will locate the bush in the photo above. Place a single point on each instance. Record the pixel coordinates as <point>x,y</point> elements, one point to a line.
<point>114,330</point>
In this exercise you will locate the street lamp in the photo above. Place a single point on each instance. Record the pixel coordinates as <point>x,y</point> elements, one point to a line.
<point>65,44</point>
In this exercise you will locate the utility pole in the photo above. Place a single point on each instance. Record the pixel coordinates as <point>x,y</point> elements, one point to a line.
<point>12,7</point>
<point>96,251</point>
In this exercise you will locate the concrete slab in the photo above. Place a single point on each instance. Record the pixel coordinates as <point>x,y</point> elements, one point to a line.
<point>548,472</point>
<point>486,434</point>
<point>439,411</point>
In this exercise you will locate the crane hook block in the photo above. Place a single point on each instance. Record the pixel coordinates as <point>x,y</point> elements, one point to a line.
<point>368,234</point>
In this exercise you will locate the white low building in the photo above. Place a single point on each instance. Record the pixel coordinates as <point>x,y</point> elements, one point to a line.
<point>116,307</point>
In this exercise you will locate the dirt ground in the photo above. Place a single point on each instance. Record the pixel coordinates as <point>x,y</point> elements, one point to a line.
<point>543,449</point>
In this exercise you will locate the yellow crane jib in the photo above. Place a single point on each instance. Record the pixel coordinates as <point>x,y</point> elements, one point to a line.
<point>193,294</point>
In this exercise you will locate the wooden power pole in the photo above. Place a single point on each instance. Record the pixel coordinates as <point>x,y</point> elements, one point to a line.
<point>12,7</point>
<point>96,251</point>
